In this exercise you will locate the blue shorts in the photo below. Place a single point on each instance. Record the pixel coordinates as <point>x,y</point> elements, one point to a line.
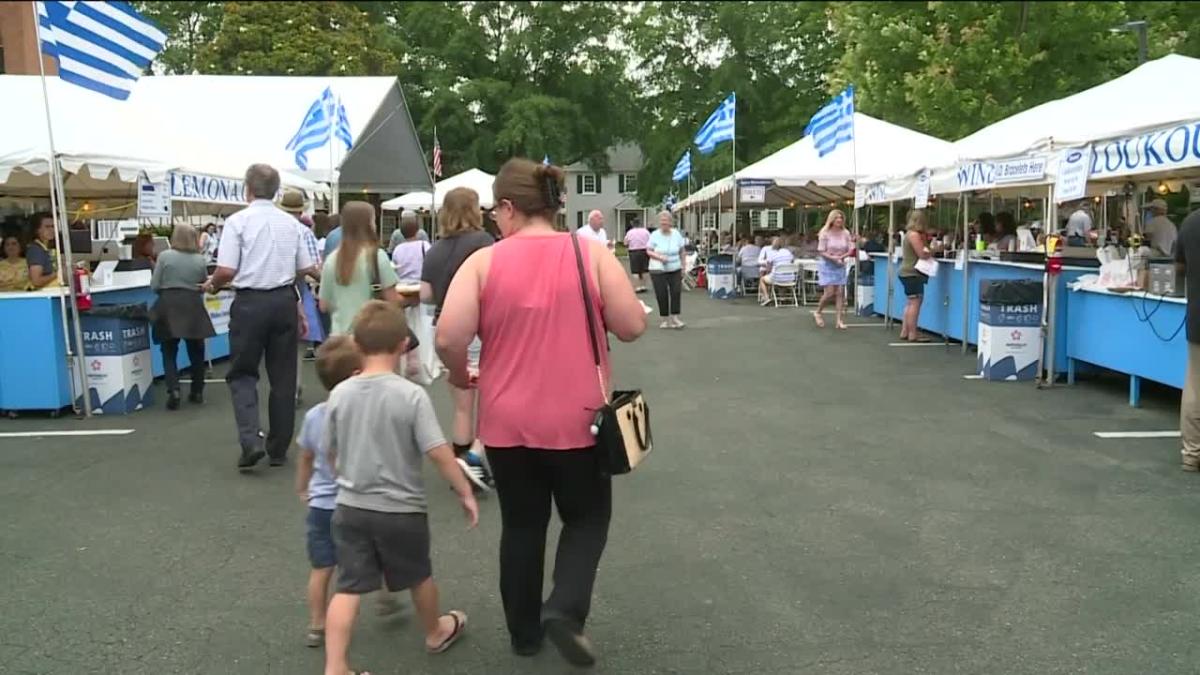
<point>321,551</point>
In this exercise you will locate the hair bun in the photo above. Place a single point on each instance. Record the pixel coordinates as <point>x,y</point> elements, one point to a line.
<point>550,179</point>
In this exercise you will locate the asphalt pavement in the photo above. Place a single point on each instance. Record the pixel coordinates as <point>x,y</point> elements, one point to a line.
<point>817,502</point>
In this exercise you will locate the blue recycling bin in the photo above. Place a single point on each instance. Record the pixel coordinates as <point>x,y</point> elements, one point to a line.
<point>1010,328</point>
<point>722,280</point>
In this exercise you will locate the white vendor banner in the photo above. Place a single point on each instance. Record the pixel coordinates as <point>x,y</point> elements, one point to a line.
<point>218,310</point>
<point>1071,183</point>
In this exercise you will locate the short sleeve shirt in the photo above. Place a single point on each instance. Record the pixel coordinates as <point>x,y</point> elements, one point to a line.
<point>347,299</point>
<point>408,258</point>
<point>322,489</point>
<point>670,245</point>
<point>835,243</point>
<point>600,235</point>
<point>381,427</point>
<point>263,244</point>
<point>446,256</point>
<point>39,256</point>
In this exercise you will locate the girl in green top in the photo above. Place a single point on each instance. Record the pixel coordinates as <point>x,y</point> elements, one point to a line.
<point>350,271</point>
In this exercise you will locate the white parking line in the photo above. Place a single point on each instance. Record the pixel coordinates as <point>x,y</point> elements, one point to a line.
<point>973,377</point>
<point>92,432</point>
<point>916,344</point>
<point>1137,434</point>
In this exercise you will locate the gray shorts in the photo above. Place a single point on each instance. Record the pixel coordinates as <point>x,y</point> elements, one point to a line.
<point>373,544</point>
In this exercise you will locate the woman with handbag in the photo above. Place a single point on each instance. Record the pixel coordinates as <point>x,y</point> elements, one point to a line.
<point>542,301</point>
<point>357,271</point>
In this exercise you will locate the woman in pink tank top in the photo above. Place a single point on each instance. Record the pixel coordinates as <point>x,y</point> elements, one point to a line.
<point>538,392</point>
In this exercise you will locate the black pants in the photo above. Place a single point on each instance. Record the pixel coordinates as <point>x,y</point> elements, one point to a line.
<point>668,288</point>
<point>526,480</point>
<point>170,354</point>
<point>264,323</point>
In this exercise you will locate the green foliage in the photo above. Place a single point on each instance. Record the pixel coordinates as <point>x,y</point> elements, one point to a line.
<point>297,38</point>
<point>190,27</point>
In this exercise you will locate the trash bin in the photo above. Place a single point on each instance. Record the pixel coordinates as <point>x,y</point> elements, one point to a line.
<point>116,357</point>
<point>722,282</point>
<point>1010,322</point>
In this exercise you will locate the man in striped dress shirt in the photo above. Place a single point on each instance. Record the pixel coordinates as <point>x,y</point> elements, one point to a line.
<point>260,255</point>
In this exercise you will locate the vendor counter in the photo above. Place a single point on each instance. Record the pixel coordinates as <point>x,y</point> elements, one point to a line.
<point>942,310</point>
<point>33,365</point>
<point>1137,334</point>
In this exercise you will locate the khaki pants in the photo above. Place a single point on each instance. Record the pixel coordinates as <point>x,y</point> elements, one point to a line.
<point>1189,410</point>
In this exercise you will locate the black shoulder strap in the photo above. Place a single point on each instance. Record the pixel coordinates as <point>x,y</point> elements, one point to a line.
<point>587,300</point>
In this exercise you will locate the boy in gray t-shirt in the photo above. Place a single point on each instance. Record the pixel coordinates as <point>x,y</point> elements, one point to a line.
<point>378,428</point>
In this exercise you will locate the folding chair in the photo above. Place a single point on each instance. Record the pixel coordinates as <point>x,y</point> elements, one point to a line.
<point>785,277</point>
<point>750,275</point>
<point>690,277</point>
<point>809,280</point>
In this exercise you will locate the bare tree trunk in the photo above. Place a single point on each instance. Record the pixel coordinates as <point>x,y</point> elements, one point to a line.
<point>1023,18</point>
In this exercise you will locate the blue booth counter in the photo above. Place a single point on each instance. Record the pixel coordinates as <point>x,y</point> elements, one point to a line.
<point>942,309</point>
<point>33,363</point>
<point>1137,334</point>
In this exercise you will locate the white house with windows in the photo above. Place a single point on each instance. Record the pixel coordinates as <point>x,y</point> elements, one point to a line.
<point>614,193</point>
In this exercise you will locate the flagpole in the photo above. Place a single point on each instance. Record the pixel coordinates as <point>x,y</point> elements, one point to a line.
<point>66,265</point>
<point>433,190</point>
<point>733,162</point>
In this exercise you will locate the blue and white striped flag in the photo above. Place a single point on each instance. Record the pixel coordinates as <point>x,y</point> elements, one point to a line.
<point>833,124</point>
<point>545,160</point>
<point>326,119</point>
<point>102,46</point>
<point>719,127</point>
<point>683,169</point>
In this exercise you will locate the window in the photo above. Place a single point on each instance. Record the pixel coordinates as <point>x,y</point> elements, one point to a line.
<point>589,184</point>
<point>628,183</point>
<point>756,220</point>
<point>709,219</point>
<point>773,219</point>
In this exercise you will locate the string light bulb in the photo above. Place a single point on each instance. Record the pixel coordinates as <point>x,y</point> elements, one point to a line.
<point>1162,188</point>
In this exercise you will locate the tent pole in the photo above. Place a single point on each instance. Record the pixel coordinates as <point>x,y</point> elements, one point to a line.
<point>1051,293</point>
<point>964,202</point>
<point>891,248</point>
<point>66,265</point>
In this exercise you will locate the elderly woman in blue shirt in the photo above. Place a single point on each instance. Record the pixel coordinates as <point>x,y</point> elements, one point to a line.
<point>667,256</point>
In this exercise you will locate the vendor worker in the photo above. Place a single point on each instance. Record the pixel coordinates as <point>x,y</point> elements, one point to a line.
<point>42,259</point>
<point>14,270</point>
<point>1005,229</point>
<point>1159,229</point>
<point>1079,225</point>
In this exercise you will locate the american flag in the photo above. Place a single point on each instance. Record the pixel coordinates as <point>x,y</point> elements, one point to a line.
<point>437,156</point>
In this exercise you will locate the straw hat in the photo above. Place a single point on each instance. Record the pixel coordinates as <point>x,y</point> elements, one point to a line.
<point>292,201</point>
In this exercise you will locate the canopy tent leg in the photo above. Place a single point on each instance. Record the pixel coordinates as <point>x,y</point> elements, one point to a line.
<point>964,203</point>
<point>891,249</point>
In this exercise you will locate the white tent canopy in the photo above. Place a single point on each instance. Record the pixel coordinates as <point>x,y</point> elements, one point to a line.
<point>798,174</point>
<point>204,124</point>
<point>1142,124</point>
<point>479,181</point>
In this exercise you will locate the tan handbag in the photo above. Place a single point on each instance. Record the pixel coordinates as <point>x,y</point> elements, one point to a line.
<point>622,426</point>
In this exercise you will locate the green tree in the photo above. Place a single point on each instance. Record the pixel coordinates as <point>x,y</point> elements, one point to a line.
<point>950,68</point>
<point>190,27</point>
<point>689,55</point>
<point>500,79</point>
<point>297,38</point>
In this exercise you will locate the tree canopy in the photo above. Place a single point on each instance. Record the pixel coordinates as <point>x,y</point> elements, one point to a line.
<point>570,79</point>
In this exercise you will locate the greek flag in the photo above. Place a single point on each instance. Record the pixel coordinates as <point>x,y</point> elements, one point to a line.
<point>102,46</point>
<point>833,124</point>
<point>719,126</point>
<point>545,160</point>
<point>326,119</point>
<point>684,168</point>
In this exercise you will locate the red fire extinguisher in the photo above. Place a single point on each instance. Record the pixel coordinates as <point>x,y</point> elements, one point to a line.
<point>83,289</point>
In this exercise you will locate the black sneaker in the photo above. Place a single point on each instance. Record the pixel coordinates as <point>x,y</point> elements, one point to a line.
<point>277,461</point>
<point>172,400</point>
<point>196,397</point>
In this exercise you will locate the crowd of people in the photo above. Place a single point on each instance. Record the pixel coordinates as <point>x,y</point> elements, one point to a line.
<point>511,330</point>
